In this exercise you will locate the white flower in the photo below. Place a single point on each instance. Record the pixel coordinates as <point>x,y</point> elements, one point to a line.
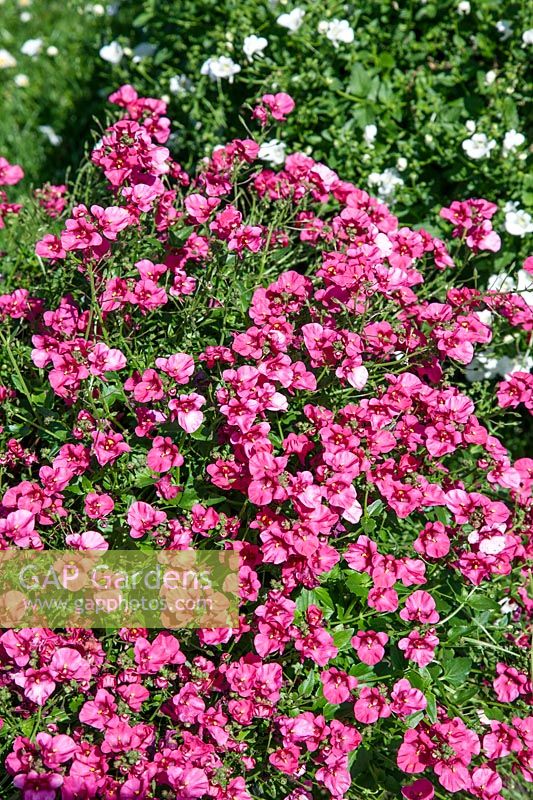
<point>221,67</point>
<point>524,285</point>
<point>52,51</point>
<point>470,125</point>
<point>478,146</point>
<point>7,60</point>
<point>273,151</point>
<point>97,9</point>
<point>511,205</point>
<point>493,545</point>
<point>50,134</point>
<point>512,140</point>
<point>32,47</point>
<point>401,164</point>
<point>292,21</point>
<point>481,367</point>
<point>485,317</point>
<point>518,222</point>
<point>507,606</point>
<point>337,31</point>
<point>500,283</point>
<point>180,84</point>
<point>143,50</point>
<point>508,366</point>
<point>527,37</point>
<point>504,28</point>
<point>254,45</point>
<point>25,16</point>
<point>386,182</point>
<point>369,134</point>
<point>464,8</point>
<point>112,52</point>
<point>21,80</point>
<point>490,77</point>
<point>483,717</point>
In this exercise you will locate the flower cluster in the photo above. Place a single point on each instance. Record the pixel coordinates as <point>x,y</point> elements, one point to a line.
<point>327,438</point>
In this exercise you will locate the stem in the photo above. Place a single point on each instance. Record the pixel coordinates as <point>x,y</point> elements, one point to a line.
<point>459,608</point>
<point>7,347</point>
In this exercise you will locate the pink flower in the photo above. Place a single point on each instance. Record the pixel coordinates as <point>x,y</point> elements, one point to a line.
<point>10,174</point>
<point>433,541</point>
<point>68,664</point>
<point>142,518</point>
<point>88,540</point>
<point>370,706</point>
<point>337,685</point>
<point>280,104</point>
<point>453,774</point>
<point>98,712</point>
<point>501,741</point>
<point>37,685</point>
<point>98,506</point>
<point>420,606</point>
<point>370,646</point>
<point>383,600</point>
<point>185,409</point>
<point>421,789</point>
<point>286,759</point>
<point>164,455</point>
<point>419,647</point>
<point>485,783</point>
<point>406,699</point>
<point>56,750</point>
<point>265,470</point>
<point>179,366</point>
<point>19,526</point>
<point>148,295</point>
<point>38,786</point>
<point>50,247</point>
<point>134,694</point>
<point>107,447</point>
<point>335,775</point>
<point>104,359</point>
<point>509,684</point>
<point>415,752</point>
<point>199,208</point>
<point>111,220</point>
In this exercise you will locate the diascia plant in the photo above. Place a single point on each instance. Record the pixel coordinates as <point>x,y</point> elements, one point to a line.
<point>321,429</point>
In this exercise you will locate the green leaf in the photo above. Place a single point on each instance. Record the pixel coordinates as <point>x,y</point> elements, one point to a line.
<point>357,583</point>
<point>481,602</point>
<point>456,670</point>
<point>188,499</point>
<point>341,639</point>
<point>368,525</point>
<point>363,672</point>
<point>374,508</point>
<point>431,709</point>
<point>414,719</point>
<point>360,81</point>
<point>305,689</point>
<point>316,597</point>
<point>143,19</point>
<point>26,726</point>
<point>442,515</point>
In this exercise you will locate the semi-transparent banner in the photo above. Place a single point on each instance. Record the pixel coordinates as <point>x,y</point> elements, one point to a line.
<point>119,589</point>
